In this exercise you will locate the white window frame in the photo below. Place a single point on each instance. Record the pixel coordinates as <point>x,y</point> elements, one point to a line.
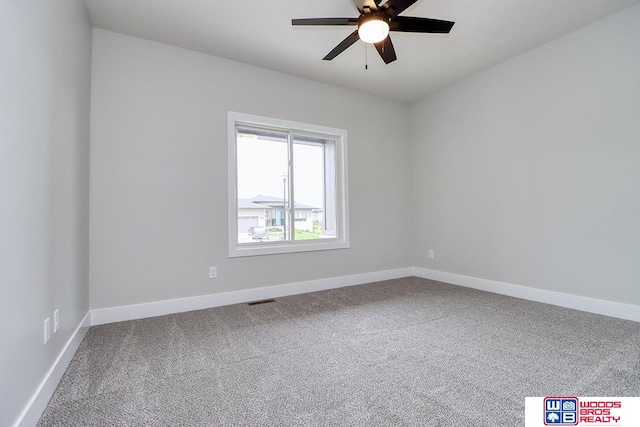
<point>342,187</point>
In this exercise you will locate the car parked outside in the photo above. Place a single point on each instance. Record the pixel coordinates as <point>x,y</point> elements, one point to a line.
<point>257,233</point>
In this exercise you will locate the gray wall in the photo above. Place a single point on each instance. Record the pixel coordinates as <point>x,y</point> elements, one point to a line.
<point>529,172</point>
<point>45,64</point>
<point>159,173</point>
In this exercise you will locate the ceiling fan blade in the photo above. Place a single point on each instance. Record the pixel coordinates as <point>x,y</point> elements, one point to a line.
<point>325,21</point>
<point>412,24</point>
<point>344,44</point>
<point>386,50</point>
<point>395,7</point>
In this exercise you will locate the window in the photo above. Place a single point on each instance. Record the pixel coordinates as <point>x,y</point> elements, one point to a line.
<point>290,179</point>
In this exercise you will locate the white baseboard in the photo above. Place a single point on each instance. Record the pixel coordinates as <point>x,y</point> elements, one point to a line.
<point>159,308</point>
<point>34,409</point>
<point>592,305</point>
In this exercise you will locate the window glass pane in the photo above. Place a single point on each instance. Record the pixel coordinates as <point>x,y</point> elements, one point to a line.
<point>262,165</point>
<point>314,185</point>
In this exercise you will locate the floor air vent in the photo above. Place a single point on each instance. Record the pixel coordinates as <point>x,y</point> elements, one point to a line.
<point>264,301</point>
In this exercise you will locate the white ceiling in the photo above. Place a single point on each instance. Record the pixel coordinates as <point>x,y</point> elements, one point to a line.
<point>486,33</point>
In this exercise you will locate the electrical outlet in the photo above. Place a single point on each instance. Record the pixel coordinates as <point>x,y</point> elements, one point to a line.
<point>56,320</point>
<point>213,272</point>
<point>431,255</point>
<point>47,330</point>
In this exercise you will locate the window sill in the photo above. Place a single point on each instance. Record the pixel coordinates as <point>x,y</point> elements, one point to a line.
<point>286,248</point>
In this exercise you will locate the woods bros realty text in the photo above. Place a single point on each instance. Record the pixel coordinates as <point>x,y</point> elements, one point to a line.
<point>599,411</point>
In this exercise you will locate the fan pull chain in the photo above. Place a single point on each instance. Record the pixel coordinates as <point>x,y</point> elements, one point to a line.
<point>366,61</point>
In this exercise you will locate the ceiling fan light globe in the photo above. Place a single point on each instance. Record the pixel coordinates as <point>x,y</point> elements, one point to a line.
<point>373,31</point>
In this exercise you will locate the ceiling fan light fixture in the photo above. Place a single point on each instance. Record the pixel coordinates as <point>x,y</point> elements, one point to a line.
<point>373,30</point>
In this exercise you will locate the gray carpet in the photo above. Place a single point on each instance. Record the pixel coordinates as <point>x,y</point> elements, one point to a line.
<point>402,352</point>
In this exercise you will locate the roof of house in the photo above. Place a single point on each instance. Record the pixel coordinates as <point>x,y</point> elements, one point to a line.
<point>261,202</point>
<point>248,204</point>
<point>261,199</point>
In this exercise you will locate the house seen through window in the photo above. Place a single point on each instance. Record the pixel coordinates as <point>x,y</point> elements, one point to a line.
<point>290,187</point>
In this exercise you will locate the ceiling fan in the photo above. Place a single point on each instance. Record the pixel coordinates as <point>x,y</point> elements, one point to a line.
<point>376,19</point>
